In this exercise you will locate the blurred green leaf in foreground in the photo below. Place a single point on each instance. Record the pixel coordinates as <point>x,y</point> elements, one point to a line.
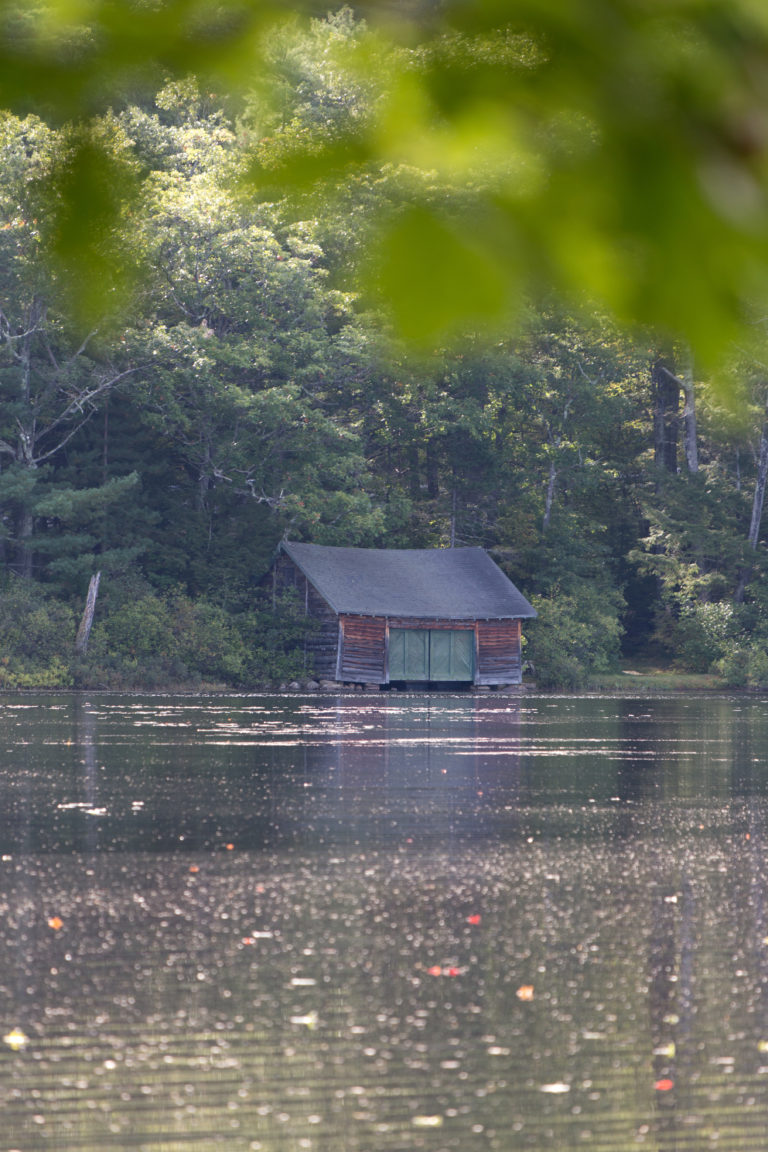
<point>611,150</point>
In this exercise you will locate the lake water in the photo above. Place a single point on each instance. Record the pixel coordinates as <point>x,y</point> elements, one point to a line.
<point>383,923</point>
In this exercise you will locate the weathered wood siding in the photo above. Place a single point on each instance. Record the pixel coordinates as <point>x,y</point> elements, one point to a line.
<point>362,648</point>
<point>498,652</point>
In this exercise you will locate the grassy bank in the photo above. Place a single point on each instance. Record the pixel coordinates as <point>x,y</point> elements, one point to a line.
<point>646,678</point>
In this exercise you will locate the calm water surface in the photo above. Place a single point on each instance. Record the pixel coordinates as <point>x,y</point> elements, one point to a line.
<point>378,924</point>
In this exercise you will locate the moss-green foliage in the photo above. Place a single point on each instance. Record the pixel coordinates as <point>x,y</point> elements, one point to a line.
<point>275,638</point>
<point>150,639</point>
<point>742,661</point>
<point>703,634</point>
<point>145,639</point>
<point>37,635</point>
<point>158,639</point>
<point>744,665</point>
<point>575,636</point>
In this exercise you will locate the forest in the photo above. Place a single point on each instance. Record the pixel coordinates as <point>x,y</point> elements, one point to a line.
<point>196,363</point>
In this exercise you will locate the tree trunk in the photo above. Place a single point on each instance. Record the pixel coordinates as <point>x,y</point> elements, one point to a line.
<point>25,526</point>
<point>433,470</point>
<point>689,419</point>
<point>84,631</point>
<point>759,498</point>
<point>414,471</point>
<point>550,499</point>
<point>665,391</point>
<point>757,509</point>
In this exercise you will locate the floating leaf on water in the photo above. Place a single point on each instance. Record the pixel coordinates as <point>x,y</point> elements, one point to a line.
<point>310,1020</point>
<point>427,1121</point>
<point>448,970</point>
<point>525,992</point>
<point>664,1085</point>
<point>15,1039</point>
<point>555,1089</point>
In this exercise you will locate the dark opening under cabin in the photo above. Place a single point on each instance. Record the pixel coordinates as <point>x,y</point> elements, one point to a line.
<point>407,616</point>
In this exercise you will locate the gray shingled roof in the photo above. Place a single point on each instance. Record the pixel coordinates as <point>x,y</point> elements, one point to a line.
<point>460,583</point>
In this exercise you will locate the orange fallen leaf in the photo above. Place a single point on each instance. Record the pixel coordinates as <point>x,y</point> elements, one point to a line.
<point>664,1085</point>
<point>525,992</point>
<point>56,923</point>
<point>229,847</point>
<point>194,868</point>
<point>435,970</point>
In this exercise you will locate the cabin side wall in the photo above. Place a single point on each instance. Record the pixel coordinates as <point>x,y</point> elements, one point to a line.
<point>498,652</point>
<point>362,650</point>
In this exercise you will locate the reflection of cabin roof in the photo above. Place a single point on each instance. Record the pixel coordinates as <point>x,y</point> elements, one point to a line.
<point>457,583</point>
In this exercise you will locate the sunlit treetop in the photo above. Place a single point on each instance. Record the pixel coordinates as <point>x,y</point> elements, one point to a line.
<point>613,150</point>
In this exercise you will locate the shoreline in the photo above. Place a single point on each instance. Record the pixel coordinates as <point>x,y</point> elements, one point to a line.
<point>623,683</point>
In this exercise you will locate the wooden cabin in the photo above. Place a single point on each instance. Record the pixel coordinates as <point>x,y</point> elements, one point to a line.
<point>407,616</point>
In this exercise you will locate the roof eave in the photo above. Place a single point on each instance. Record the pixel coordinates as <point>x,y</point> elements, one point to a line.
<point>311,580</point>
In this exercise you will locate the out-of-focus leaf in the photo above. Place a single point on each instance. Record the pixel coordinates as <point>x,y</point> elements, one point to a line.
<point>436,277</point>
<point>87,206</point>
<point>67,60</point>
<point>612,149</point>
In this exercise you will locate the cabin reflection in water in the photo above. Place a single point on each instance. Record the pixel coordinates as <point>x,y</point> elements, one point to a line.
<point>432,767</point>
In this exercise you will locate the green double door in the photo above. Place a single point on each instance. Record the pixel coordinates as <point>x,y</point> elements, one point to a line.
<point>431,654</point>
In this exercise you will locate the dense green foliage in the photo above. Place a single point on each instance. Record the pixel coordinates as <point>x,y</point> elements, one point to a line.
<point>236,390</point>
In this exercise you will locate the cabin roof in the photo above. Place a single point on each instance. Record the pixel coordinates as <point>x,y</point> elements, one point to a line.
<point>457,583</point>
